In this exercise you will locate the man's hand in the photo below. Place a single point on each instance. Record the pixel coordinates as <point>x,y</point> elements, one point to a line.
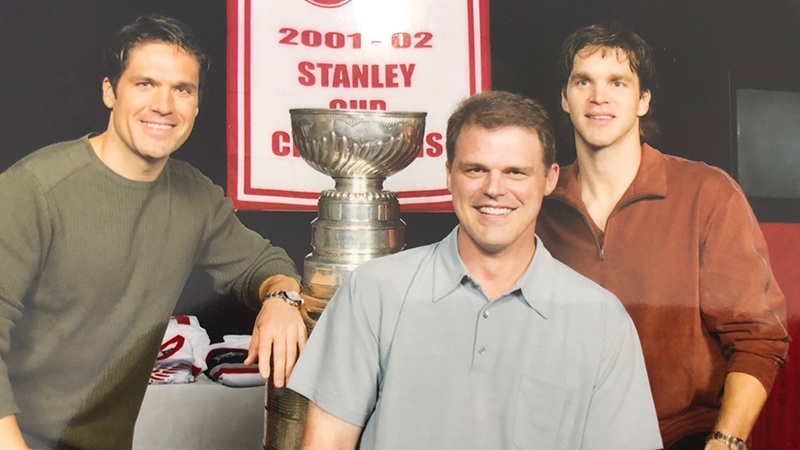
<point>742,400</point>
<point>279,332</point>
<point>716,445</point>
<point>10,436</point>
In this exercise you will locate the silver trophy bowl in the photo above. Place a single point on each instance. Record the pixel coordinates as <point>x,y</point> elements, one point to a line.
<point>357,144</point>
<point>357,220</point>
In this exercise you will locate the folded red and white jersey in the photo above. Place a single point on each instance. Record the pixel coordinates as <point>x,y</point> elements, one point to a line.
<point>225,362</point>
<point>182,354</point>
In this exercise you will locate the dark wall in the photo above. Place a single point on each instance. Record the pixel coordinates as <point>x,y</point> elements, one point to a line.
<point>50,79</point>
<point>695,44</point>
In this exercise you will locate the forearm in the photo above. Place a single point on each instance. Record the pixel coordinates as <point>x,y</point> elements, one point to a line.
<point>273,274</point>
<point>238,259</point>
<point>742,400</point>
<point>325,431</point>
<point>10,435</point>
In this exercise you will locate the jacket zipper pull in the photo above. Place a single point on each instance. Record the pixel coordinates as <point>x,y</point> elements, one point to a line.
<point>602,253</point>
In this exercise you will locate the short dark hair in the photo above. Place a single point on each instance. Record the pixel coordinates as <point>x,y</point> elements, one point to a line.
<point>498,109</point>
<point>614,35</point>
<point>151,29</point>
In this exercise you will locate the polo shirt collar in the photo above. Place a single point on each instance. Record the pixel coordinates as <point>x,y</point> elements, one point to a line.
<point>536,284</point>
<point>650,180</point>
<point>449,270</point>
<point>538,281</point>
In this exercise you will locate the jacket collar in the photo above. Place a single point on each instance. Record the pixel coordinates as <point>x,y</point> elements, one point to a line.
<point>650,180</point>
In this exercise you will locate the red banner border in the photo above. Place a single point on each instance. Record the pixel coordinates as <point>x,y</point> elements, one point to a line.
<point>483,46</point>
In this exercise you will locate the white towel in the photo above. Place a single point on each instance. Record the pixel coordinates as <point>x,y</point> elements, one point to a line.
<point>225,362</point>
<point>182,354</point>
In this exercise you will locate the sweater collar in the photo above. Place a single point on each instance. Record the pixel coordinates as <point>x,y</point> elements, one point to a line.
<point>650,180</point>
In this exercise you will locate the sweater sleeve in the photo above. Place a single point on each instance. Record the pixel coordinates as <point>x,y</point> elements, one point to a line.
<point>740,301</point>
<point>25,234</point>
<point>237,258</point>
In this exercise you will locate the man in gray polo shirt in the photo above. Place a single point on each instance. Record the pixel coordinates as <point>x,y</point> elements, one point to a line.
<point>483,340</point>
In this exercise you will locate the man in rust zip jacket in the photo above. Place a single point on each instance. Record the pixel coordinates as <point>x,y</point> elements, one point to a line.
<point>674,239</point>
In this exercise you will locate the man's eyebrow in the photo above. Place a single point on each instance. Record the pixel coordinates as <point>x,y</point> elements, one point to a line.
<point>469,165</point>
<point>579,76</point>
<point>140,78</point>
<point>518,169</point>
<point>465,165</point>
<point>186,85</point>
<point>622,76</point>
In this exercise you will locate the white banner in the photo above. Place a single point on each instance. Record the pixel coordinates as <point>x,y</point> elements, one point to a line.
<point>386,55</point>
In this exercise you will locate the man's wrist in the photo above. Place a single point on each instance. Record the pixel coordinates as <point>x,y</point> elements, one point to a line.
<point>731,441</point>
<point>291,297</point>
<point>277,283</point>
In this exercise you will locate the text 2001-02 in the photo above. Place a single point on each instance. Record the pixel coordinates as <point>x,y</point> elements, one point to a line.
<point>336,40</point>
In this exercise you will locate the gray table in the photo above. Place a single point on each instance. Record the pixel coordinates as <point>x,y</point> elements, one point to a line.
<point>203,415</point>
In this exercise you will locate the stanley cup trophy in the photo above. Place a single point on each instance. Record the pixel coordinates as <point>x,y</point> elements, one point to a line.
<point>357,220</point>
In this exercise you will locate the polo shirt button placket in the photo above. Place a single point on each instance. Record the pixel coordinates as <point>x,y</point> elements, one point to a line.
<point>480,358</point>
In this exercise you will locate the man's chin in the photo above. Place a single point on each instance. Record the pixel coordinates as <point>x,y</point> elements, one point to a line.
<point>493,247</point>
<point>156,153</point>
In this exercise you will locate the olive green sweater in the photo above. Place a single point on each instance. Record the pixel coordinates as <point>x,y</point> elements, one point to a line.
<point>91,266</point>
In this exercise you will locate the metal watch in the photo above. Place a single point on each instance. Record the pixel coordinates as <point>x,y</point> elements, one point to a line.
<point>292,297</point>
<point>731,441</point>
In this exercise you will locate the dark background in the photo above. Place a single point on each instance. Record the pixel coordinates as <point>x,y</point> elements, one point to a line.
<point>50,80</point>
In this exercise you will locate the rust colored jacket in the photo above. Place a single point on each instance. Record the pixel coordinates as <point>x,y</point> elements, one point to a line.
<point>684,253</point>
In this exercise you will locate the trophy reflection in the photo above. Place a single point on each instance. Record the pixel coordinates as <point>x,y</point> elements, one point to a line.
<point>357,220</point>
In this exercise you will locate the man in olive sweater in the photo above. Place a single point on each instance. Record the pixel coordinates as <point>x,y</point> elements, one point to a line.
<point>97,239</point>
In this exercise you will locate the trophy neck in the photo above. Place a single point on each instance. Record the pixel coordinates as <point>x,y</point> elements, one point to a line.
<point>359,184</point>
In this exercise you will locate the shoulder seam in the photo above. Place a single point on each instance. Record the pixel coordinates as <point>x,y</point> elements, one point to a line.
<point>25,163</point>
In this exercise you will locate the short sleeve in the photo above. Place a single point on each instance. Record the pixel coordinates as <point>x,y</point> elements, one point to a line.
<point>621,413</point>
<point>339,369</point>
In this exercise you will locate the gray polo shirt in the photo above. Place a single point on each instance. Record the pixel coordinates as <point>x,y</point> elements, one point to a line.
<point>411,349</point>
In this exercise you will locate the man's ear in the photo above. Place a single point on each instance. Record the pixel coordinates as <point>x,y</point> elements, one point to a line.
<point>109,97</point>
<point>551,179</point>
<point>447,168</point>
<point>564,103</point>
<point>644,103</point>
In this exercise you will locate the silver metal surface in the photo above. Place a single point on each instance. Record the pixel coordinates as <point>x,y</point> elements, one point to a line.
<point>357,144</point>
<point>357,220</point>
<point>286,415</point>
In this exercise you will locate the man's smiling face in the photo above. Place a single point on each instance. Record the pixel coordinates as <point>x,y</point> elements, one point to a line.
<point>498,179</point>
<point>603,98</point>
<point>155,103</point>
